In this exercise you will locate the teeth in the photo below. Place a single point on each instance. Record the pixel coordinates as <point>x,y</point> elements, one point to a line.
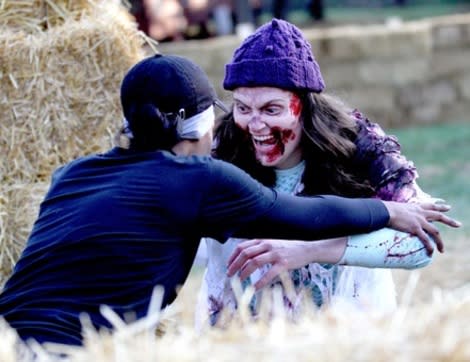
<point>262,138</point>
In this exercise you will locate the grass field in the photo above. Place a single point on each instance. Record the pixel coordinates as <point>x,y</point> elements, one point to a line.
<point>442,156</point>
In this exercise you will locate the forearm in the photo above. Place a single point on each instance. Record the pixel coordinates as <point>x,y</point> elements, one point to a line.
<point>385,248</point>
<point>317,218</point>
<point>328,251</point>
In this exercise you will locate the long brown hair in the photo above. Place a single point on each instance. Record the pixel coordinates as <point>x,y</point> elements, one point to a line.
<point>328,147</point>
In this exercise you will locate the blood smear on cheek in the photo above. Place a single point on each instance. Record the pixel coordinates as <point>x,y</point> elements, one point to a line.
<point>295,105</point>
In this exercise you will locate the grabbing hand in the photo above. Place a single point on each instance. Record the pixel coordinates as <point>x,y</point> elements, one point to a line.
<point>416,218</point>
<point>283,255</point>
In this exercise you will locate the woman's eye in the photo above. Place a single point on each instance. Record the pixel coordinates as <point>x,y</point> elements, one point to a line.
<point>272,110</point>
<point>242,109</point>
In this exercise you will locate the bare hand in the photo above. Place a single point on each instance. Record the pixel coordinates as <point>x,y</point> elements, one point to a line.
<point>416,218</point>
<point>283,255</point>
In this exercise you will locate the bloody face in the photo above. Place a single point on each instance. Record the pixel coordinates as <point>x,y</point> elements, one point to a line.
<point>271,116</point>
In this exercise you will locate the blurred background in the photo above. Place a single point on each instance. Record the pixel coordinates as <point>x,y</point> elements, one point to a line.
<point>175,20</point>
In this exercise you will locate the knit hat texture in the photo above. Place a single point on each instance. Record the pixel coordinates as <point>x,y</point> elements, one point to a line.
<point>276,55</point>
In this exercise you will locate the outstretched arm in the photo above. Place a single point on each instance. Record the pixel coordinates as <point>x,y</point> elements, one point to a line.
<point>237,205</point>
<point>385,248</point>
<point>342,219</point>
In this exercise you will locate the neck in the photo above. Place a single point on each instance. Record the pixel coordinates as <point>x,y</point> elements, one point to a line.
<point>188,148</point>
<point>293,160</point>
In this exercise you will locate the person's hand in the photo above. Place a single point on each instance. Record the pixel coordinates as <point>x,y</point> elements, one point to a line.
<point>416,218</point>
<point>283,255</point>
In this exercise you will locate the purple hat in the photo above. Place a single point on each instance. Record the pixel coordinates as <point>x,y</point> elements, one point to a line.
<point>276,55</point>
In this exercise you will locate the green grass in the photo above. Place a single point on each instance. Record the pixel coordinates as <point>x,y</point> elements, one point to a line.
<point>441,154</point>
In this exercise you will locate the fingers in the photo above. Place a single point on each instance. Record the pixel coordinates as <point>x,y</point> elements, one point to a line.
<point>254,254</point>
<point>444,219</point>
<point>239,249</point>
<point>429,205</point>
<point>268,277</point>
<point>425,239</point>
<point>435,213</point>
<point>432,231</point>
<point>244,252</point>
<point>257,262</point>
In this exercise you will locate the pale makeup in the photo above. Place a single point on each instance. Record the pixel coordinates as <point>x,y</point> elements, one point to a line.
<point>271,116</point>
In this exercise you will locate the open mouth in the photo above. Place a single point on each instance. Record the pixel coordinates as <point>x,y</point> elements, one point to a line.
<point>267,140</point>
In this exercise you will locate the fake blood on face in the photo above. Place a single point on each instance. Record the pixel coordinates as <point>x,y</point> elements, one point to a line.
<point>281,136</point>
<point>295,105</point>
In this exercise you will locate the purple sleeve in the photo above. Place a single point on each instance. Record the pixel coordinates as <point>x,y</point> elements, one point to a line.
<point>390,173</point>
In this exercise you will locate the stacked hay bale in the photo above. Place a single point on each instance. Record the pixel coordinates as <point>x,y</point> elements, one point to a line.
<point>61,63</point>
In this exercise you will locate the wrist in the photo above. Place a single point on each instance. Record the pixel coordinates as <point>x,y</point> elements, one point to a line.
<point>328,251</point>
<point>389,205</point>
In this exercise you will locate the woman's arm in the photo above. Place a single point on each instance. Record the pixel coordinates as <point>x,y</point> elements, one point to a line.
<point>385,248</point>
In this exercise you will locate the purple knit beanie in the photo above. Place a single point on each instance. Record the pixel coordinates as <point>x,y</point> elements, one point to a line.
<point>276,55</point>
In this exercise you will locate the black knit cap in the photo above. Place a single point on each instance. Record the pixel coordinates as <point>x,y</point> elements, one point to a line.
<point>168,82</point>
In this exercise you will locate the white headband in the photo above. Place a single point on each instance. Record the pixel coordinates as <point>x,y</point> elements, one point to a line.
<point>196,126</point>
<point>192,128</point>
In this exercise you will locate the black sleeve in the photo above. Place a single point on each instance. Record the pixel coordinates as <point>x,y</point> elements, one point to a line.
<point>237,205</point>
<point>313,218</point>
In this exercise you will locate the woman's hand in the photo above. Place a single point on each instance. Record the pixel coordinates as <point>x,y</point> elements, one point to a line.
<point>416,218</point>
<point>283,255</point>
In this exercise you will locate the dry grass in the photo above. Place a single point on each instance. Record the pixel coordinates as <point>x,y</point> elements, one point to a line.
<point>39,15</point>
<point>449,271</point>
<point>19,205</point>
<point>432,331</point>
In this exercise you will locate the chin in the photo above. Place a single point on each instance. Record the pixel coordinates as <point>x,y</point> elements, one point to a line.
<point>269,164</point>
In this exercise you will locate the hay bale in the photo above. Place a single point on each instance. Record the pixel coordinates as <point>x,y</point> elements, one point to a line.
<point>60,97</point>
<point>38,15</point>
<point>19,206</point>
<point>60,90</point>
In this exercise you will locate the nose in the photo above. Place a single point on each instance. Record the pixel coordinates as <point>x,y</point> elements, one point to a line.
<point>255,124</point>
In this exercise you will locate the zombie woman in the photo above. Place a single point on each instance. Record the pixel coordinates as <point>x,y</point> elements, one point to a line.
<point>287,133</point>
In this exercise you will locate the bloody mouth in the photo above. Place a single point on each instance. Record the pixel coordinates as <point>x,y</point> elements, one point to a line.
<point>273,146</point>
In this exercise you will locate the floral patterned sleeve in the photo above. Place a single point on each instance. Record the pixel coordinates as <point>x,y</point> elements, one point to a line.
<point>390,173</point>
